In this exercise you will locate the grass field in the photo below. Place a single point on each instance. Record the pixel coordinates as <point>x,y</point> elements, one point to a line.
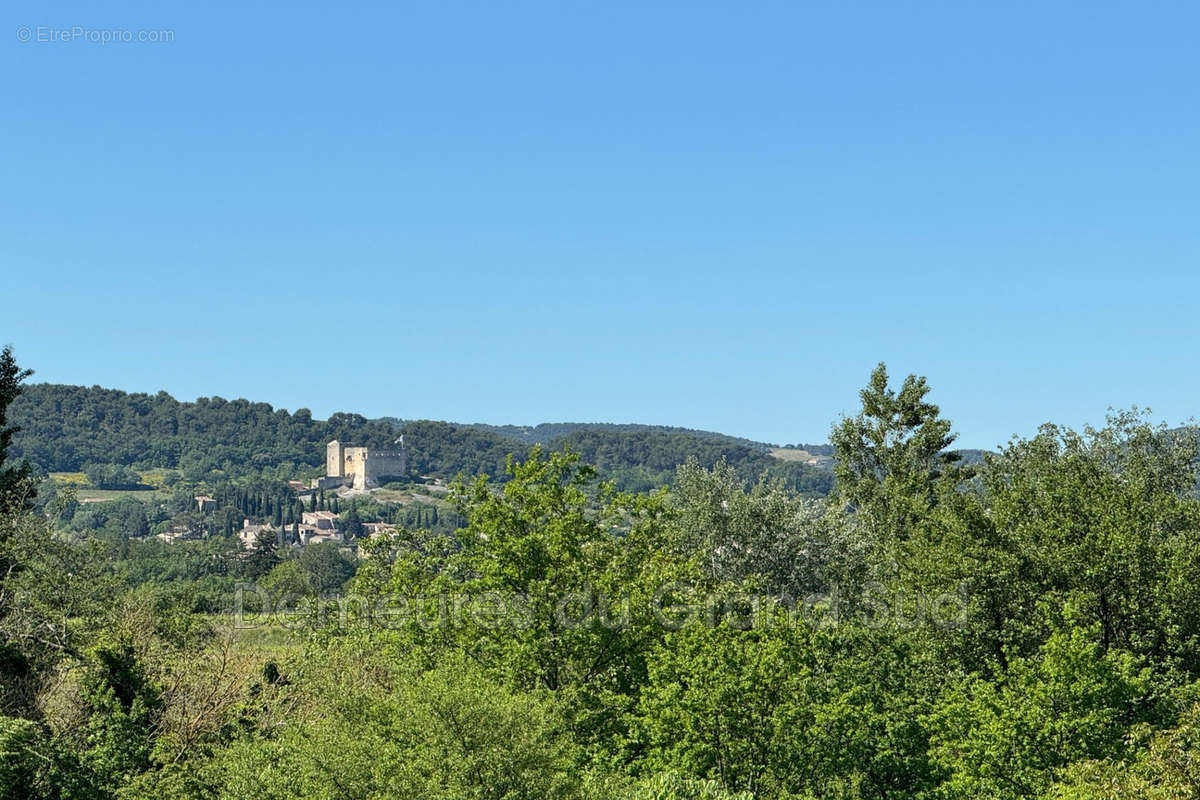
<point>78,481</point>
<point>794,454</point>
<point>271,635</point>
<point>104,495</point>
<point>421,494</point>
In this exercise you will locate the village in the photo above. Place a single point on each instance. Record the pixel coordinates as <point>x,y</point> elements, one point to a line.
<point>349,470</point>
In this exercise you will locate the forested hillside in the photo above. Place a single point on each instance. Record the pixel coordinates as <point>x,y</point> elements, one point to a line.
<point>65,428</point>
<point>547,432</point>
<point>72,428</point>
<point>643,459</point>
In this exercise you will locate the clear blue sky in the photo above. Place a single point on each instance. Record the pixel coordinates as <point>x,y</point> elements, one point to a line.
<point>717,216</point>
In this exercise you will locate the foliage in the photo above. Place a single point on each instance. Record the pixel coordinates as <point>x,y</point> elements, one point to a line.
<point>891,457</point>
<point>20,765</point>
<point>779,711</point>
<point>65,428</point>
<point>548,432</point>
<point>399,730</point>
<point>112,476</point>
<point>16,489</point>
<point>641,459</point>
<point>544,634</point>
<point>795,546</point>
<point>1007,738</point>
<point>1169,769</point>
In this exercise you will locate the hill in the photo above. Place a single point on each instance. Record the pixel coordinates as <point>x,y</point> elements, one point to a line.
<point>547,432</point>
<point>66,429</point>
<point>644,459</point>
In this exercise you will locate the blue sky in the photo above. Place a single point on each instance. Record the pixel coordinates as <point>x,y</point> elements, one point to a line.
<point>712,215</point>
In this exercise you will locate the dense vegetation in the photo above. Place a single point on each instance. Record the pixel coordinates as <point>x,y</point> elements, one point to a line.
<point>547,432</point>
<point>642,460</point>
<point>108,433</point>
<point>1024,627</point>
<point>68,428</point>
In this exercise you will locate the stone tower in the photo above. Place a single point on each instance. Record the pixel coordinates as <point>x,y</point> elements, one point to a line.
<point>335,459</point>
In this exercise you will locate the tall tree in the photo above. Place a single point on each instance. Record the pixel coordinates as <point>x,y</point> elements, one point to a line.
<point>16,485</point>
<point>891,457</point>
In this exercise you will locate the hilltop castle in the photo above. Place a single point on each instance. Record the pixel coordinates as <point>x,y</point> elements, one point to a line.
<point>360,467</point>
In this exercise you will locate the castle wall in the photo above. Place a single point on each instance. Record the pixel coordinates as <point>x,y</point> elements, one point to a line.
<point>332,482</point>
<point>362,467</point>
<point>379,464</point>
<point>335,459</point>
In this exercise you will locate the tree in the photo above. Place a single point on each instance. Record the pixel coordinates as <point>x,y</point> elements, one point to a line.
<point>112,476</point>
<point>265,554</point>
<point>287,581</point>
<point>399,730</point>
<point>892,457</point>
<point>1169,769</point>
<point>352,524</point>
<point>16,484</point>
<point>327,568</point>
<point>783,711</point>
<point>673,786</point>
<point>20,764</point>
<point>1103,522</point>
<point>557,580</point>
<point>794,546</point>
<point>1007,738</point>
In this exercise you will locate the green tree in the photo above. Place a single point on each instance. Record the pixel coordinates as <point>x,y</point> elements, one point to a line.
<point>21,764</point>
<point>1168,769</point>
<point>554,579</point>
<point>264,555</point>
<point>1102,521</point>
<point>327,568</point>
<point>352,524</point>
<point>16,485</point>
<point>1008,738</point>
<point>442,733</point>
<point>783,711</point>
<point>788,545</point>
<point>286,582</point>
<point>892,457</point>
